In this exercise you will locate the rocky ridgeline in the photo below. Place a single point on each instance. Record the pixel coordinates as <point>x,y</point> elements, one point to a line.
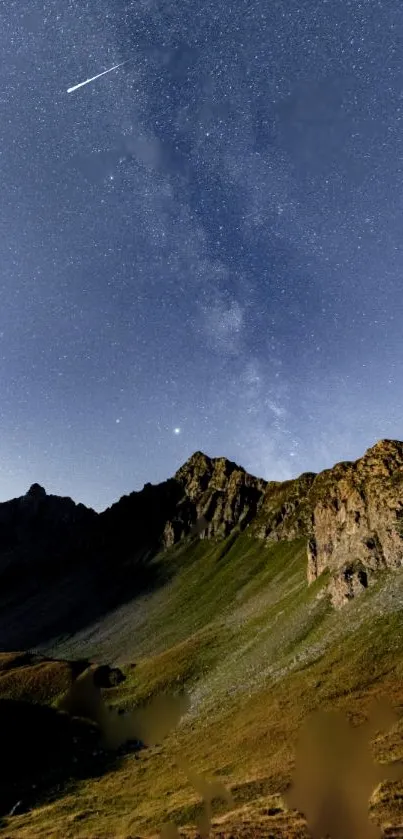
<point>351,517</point>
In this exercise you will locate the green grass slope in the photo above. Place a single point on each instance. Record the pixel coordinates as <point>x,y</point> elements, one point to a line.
<point>257,649</point>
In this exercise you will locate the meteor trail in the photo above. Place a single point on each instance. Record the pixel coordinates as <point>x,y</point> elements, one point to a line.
<point>87,81</point>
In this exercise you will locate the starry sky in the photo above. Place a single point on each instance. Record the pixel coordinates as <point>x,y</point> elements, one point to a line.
<point>203,248</point>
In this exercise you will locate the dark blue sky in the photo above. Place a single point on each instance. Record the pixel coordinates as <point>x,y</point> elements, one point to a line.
<point>202,249</point>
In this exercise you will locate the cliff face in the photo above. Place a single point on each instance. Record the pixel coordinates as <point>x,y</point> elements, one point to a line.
<point>357,520</point>
<point>351,516</point>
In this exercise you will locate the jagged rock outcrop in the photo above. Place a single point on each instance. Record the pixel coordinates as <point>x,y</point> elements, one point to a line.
<point>357,520</point>
<point>218,496</point>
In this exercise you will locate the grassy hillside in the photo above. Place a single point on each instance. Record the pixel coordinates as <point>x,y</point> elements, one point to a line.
<point>257,650</point>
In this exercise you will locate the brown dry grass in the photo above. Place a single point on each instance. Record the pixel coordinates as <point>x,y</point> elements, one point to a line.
<point>250,747</point>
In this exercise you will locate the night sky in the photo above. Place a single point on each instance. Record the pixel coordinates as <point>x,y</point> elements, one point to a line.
<point>202,249</point>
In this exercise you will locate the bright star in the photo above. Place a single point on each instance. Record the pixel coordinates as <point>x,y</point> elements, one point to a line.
<point>177,430</point>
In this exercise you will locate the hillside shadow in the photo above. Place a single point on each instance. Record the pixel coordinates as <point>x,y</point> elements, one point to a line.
<point>37,608</point>
<point>43,751</point>
<point>60,574</point>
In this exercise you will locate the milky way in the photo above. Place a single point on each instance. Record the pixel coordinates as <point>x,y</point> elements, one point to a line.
<point>202,250</point>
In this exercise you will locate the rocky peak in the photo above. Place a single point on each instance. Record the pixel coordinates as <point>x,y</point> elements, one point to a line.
<point>200,472</point>
<point>218,496</point>
<point>38,530</point>
<point>36,491</point>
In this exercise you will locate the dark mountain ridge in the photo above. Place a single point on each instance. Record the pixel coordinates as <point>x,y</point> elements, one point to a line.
<point>62,564</point>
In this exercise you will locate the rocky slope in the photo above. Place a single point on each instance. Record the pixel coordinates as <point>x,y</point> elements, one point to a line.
<point>62,565</point>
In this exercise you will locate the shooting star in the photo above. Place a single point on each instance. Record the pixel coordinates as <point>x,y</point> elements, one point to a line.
<point>87,81</point>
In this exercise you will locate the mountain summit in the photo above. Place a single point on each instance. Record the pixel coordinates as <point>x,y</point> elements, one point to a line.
<point>218,495</point>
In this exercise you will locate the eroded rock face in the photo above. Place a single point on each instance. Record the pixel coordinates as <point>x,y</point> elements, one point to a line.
<point>357,520</point>
<point>348,582</point>
<point>218,496</point>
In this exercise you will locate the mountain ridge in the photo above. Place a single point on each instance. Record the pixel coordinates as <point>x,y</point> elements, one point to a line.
<point>351,516</point>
